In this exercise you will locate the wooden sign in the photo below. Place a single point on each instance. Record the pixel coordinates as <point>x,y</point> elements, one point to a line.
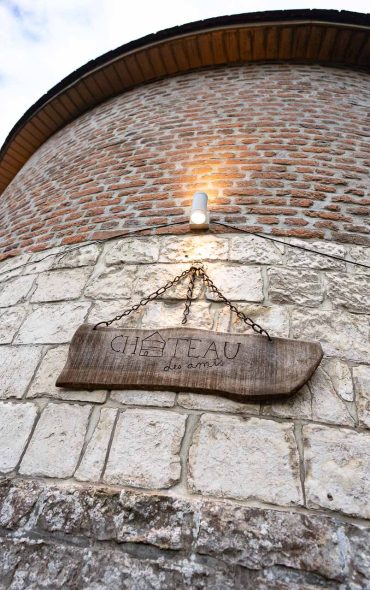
<point>243,367</point>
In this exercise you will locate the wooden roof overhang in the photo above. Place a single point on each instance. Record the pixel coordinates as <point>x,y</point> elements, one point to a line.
<point>305,36</point>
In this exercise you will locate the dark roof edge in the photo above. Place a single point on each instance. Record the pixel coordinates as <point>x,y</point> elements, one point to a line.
<point>318,15</point>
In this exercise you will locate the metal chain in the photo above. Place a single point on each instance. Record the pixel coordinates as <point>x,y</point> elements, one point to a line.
<point>146,300</point>
<point>189,295</point>
<point>247,320</point>
<point>195,272</point>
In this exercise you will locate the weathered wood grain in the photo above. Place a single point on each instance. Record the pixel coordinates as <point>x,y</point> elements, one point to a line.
<point>244,367</point>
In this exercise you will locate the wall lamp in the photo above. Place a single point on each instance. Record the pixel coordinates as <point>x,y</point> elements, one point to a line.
<point>199,214</point>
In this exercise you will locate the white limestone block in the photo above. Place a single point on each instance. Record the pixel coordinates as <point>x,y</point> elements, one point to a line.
<point>337,469</point>
<point>16,422</point>
<point>57,441</point>
<point>245,459</point>
<point>146,449</point>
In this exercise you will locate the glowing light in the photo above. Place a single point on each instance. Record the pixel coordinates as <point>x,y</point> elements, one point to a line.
<point>199,216</point>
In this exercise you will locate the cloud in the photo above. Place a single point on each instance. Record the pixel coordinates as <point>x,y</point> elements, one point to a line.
<point>42,41</point>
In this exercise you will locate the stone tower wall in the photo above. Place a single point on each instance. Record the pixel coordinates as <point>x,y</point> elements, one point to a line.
<point>148,489</point>
<point>181,488</point>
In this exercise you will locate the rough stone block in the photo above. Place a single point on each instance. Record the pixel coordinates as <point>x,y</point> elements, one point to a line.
<point>361,378</point>
<point>62,567</point>
<point>350,291</point>
<point>340,376</point>
<point>296,406</point>
<point>295,286</point>
<point>202,315</point>
<point>10,321</point>
<point>17,366</point>
<point>43,261</point>
<point>344,335</point>
<point>145,449</point>
<point>254,249</point>
<point>238,283</point>
<point>112,283</point>
<point>57,441</point>
<point>43,384</point>
<point>359,254</point>
<point>52,323</point>
<point>152,277</point>
<point>107,310</point>
<point>132,250</point>
<point>92,462</point>
<point>302,259</point>
<point>259,538</point>
<point>259,549</point>
<point>194,248</point>
<point>215,403</point>
<point>274,319</point>
<point>83,256</point>
<point>16,421</point>
<point>327,406</point>
<point>15,290</point>
<point>131,397</point>
<point>337,469</point>
<point>238,458</point>
<point>12,267</point>
<point>60,285</point>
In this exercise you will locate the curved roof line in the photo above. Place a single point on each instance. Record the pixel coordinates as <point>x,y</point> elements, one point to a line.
<point>306,36</point>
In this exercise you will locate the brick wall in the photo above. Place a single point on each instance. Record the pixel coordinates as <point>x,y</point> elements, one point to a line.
<point>281,149</point>
<point>183,489</point>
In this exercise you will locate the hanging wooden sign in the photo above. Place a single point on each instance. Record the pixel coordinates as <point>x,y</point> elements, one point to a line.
<point>243,367</point>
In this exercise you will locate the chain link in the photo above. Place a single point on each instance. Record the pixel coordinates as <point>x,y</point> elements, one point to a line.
<point>194,272</point>
<point>145,300</point>
<point>189,295</point>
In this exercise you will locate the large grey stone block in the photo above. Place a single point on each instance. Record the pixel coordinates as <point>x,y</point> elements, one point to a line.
<point>303,259</point>
<point>295,286</point>
<point>245,458</point>
<point>273,318</point>
<point>238,283</point>
<point>16,422</point>
<point>112,283</point>
<point>85,255</point>
<point>193,248</point>
<point>341,335</point>
<point>15,290</point>
<point>350,291</point>
<point>52,323</point>
<point>145,449</point>
<point>12,267</point>
<point>337,469</point>
<point>57,441</point>
<point>327,405</point>
<point>10,321</point>
<point>254,249</point>
<point>60,285</point>
<point>132,250</point>
<point>17,367</point>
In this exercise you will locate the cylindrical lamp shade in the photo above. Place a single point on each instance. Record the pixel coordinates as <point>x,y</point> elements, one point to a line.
<point>199,215</point>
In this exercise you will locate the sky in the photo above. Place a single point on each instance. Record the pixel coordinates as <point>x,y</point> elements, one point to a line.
<point>42,41</point>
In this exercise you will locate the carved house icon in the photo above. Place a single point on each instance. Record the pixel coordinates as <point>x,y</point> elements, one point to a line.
<point>152,345</point>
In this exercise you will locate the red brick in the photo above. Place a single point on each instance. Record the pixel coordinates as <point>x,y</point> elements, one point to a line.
<point>299,160</point>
